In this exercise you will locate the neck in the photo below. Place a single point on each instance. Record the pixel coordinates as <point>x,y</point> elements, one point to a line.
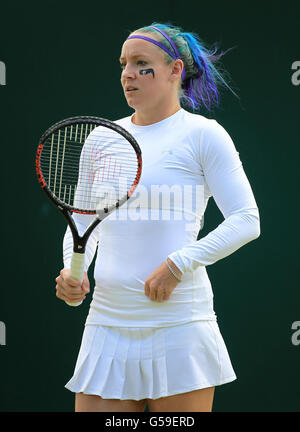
<point>146,118</point>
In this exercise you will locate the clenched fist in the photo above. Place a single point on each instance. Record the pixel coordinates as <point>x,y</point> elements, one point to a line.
<point>69,289</point>
<point>160,284</point>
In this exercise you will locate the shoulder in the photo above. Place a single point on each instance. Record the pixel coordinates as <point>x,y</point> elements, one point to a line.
<point>210,140</point>
<point>206,134</point>
<point>203,125</point>
<point>203,130</point>
<point>123,122</point>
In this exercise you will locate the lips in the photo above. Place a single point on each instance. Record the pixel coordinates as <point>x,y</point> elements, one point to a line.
<point>130,88</point>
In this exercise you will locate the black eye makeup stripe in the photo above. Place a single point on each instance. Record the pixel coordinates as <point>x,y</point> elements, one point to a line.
<point>146,71</point>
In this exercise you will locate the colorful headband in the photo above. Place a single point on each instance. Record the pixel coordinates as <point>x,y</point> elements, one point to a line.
<point>174,56</point>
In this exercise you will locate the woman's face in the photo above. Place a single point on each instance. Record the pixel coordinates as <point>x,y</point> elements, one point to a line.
<point>137,55</point>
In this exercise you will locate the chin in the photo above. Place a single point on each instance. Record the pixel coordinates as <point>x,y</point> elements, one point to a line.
<point>133,105</point>
<point>139,106</point>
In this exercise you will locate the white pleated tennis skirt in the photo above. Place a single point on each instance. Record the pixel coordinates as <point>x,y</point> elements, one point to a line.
<point>138,363</point>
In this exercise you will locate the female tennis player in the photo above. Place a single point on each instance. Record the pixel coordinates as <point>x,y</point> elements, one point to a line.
<point>151,335</point>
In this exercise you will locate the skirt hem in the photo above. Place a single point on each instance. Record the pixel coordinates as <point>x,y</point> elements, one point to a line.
<point>174,392</point>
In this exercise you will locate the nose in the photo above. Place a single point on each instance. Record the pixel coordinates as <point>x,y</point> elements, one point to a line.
<point>128,72</point>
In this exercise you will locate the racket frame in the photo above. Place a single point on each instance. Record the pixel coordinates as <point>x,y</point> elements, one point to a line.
<point>66,209</point>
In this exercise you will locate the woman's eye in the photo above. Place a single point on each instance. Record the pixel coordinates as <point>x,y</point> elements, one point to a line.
<point>122,65</point>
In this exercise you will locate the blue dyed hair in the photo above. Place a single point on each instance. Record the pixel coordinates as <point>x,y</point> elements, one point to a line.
<point>200,87</point>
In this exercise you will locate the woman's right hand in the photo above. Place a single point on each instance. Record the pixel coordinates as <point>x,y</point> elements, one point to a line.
<point>69,289</point>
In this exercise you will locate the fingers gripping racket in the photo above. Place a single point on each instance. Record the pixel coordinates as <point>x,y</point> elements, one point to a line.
<point>87,165</point>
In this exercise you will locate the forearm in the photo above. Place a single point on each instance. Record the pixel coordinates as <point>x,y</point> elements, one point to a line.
<point>233,233</point>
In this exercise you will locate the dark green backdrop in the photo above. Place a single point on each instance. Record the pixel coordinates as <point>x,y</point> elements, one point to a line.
<point>61,60</point>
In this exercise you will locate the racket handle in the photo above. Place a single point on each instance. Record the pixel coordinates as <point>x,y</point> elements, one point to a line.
<point>77,271</point>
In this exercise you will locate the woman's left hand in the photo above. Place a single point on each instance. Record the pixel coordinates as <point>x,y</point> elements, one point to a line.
<point>160,284</point>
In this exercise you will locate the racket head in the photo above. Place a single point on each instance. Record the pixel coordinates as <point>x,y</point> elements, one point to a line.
<point>82,157</point>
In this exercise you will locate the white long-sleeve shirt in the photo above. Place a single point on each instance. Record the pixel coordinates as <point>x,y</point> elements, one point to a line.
<point>187,158</point>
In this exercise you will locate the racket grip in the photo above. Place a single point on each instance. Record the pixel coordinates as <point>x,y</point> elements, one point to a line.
<point>77,271</point>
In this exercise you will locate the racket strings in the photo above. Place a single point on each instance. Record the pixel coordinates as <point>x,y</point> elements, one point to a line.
<point>89,168</point>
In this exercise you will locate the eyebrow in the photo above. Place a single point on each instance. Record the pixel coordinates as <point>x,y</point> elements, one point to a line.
<point>135,56</point>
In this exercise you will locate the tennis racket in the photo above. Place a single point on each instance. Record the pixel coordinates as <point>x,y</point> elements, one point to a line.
<point>87,165</point>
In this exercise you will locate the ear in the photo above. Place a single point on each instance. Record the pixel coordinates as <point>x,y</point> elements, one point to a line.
<point>177,69</point>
